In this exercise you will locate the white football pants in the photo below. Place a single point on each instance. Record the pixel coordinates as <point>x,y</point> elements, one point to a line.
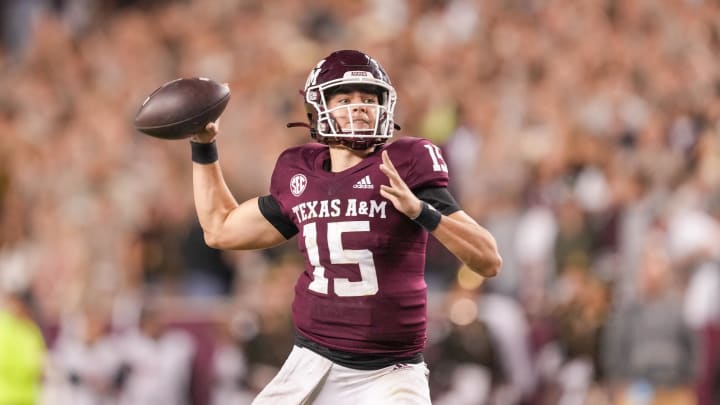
<point>308,378</point>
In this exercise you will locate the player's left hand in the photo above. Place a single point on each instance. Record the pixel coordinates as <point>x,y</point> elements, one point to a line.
<point>398,192</point>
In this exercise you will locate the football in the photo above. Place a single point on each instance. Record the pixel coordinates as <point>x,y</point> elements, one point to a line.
<point>181,107</point>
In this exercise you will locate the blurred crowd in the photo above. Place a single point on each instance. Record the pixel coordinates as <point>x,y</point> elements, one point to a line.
<point>585,135</point>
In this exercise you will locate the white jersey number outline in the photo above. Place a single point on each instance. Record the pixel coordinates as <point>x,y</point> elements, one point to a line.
<point>368,284</point>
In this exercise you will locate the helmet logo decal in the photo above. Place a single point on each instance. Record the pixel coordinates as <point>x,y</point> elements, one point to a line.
<point>298,184</point>
<point>312,77</point>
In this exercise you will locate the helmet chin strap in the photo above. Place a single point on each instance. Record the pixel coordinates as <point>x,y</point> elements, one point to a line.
<point>349,142</point>
<point>353,144</point>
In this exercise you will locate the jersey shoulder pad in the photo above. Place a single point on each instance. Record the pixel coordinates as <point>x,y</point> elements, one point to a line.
<point>302,155</point>
<point>292,169</point>
<point>419,162</point>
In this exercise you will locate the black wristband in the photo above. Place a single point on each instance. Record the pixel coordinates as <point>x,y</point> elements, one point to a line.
<point>429,218</point>
<point>204,153</point>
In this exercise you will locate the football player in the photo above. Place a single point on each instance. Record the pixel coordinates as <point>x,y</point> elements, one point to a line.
<point>362,208</point>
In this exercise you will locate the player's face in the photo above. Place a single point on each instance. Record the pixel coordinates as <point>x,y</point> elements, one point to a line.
<point>355,110</point>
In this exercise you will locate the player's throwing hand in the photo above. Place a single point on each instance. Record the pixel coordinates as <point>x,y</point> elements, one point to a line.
<point>208,135</point>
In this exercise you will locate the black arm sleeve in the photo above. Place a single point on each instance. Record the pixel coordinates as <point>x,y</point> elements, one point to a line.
<point>439,197</point>
<point>270,209</point>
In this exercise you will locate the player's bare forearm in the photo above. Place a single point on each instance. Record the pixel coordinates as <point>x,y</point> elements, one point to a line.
<point>227,224</point>
<point>469,242</point>
<point>213,200</point>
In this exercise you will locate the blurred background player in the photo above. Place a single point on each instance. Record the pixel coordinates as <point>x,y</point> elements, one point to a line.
<point>84,365</point>
<point>156,362</point>
<point>363,209</point>
<point>22,347</point>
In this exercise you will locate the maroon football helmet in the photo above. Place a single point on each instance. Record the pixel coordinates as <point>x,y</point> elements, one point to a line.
<point>350,70</point>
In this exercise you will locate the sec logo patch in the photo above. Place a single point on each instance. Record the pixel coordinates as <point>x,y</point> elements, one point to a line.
<point>297,184</point>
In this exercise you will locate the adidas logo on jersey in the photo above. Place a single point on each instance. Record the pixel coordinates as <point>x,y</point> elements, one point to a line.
<point>364,183</point>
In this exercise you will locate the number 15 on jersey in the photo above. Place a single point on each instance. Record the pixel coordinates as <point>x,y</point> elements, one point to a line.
<point>363,258</point>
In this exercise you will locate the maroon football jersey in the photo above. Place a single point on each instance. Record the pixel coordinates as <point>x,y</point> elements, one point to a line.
<point>363,289</point>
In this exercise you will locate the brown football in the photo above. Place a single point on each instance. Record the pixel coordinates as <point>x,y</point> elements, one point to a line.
<point>181,107</point>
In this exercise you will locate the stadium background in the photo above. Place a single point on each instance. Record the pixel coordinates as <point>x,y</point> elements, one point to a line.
<point>585,135</point>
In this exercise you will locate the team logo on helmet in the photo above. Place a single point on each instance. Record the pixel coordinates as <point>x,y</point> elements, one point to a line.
<point>312,77</point>
<point>298,184</point>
